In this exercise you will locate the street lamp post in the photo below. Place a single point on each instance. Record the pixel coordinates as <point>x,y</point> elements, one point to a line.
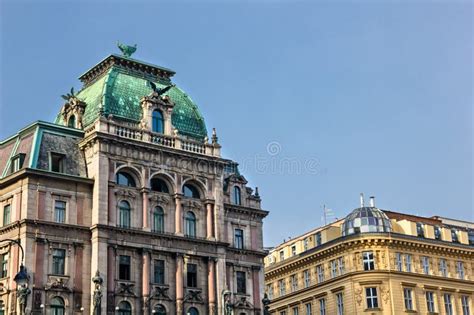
<point>21,278</point>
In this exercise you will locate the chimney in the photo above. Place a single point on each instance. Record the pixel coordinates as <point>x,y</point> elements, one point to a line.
<point>372,201</point>
<point>361,200</point>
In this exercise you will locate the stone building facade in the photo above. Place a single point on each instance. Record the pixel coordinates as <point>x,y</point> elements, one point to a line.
<point>375,262</point>
<point>124,204</point>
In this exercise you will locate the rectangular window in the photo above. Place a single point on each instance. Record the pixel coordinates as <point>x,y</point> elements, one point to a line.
<point>470,236</point>
<point>282,255</point>
<point>293,250</point>
<point>241,282</point>
<point>239,239</point>
<point>282,287</point>
<point>442,268</point>
<point>340,304</point>
<point>191,275</point>
<point>17,162</point>
<point>425,263</point>
<point>460,269</point>
<point>124,267</point>
<point>371,297</point>
<point>295,310</point>
<point>408,299</point>
<point>59,257</point>
<point>57,162</point>
<point>333,268</point>
<point>59,211</point>
<point>294,283</point>
<point>437,233</point>
<point>448,305</point>
<point>398,261</point>
<point>408,263</point>
<point>320,273</point>
<point>307,278</point>
<point>420,230</point>
<point>465,305</point>
<point>322,306</point>
<point>7,214</point>
<point>305,244</point>
<point>368,259</point>
<point>159,272</point>
<point>270,291</point>
<point>4,270</point>
<point>309,310</point>
<point>430,302</point>
<point>318,239</point>
<point>342,267</point>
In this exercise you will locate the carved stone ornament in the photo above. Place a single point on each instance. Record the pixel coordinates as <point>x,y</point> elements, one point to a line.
<point>193,296</point>
<point>125,193</point>
<point>161,293</point>
<point>126,288</point>
<point>57,283</point>
<point>242,302</point>
<point>193,204</point>
<point>160,199</point>
<point>358,296</point>
<point>385,294</point>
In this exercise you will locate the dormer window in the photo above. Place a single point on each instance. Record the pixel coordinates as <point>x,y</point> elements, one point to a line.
<point>72,122</point>
<point>454,236</point>
<point>420,231</point>
<point>157,122</point>
<point>437,233</point>
<point>17,162</point>
<point>57,162</point>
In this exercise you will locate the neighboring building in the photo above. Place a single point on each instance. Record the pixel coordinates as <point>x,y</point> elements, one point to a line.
<point>127,183</point>
<point>375,262</point>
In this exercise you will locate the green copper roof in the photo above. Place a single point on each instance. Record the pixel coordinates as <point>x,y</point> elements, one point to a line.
<point>118,92</point>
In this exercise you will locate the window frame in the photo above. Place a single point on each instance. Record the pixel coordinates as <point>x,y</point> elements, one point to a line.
<point>241,282</point>
<point>4,265</point>
<point>56,157</point>
<point>340,303</point>
<point>236,196</point>
<point>320,273</point>
<point>460,269</point>
<point>372,297</point>
<point>408,299</point>
<point>125,214</point>
<point>294,282</point>
<point>425,264</point>
<point>448,304</point>
<point>322,306</point>
<point>191,275</point>
<point>443,268</point>
<point>157,123</point>
<point>408,262</point>
<point>58,262</point>
<point>158,220</point>
<point>125,268</point>
<point>159,270</point>
<point>430,301</point>
<point>368,260</point>
<point>7,215</point>
<point>466,309</point>
<point>60,212</point>
<point>307,278</point>
<point>190,221</point>
<point>239,238</point>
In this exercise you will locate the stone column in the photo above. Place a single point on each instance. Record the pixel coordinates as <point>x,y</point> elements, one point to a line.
<point>256,286</point>
<point>179,215</point>
<point>146,281</point>
<point>211,280</point>
<point>110,280</point>
<point>145,212</point>
<point>210,219</point>
<point>112,209</point>
<point>179,283</point>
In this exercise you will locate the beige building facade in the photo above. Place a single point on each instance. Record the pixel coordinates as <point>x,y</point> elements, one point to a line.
<point>375,262</point>
<point>124,205</point>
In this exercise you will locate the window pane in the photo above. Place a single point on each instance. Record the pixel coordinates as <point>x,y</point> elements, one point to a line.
<point>59,211</point>
<point>59,256</point>
<point>159,272</point>
<point>124,267</point>
<point>241,285</point>
<point>191,275</point>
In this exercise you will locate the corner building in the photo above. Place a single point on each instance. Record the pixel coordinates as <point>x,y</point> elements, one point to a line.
<point>127,188</point>
<point>375,262</point>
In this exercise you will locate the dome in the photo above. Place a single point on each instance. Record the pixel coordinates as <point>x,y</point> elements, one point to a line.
<point>118,92</point>
<point>366,219</point>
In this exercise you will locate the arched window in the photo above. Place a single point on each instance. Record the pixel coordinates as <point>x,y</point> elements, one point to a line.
<point>157,121</point>
<point>158,220</point>
<point>124,214</point>
<point>236,198</point>
<point>157,184</point>
<point>190,191</point>
<point>192,311</point>
<point>57,306</point>
<point>159,310</point>
<point>125,179</point>
<point>72,122</point>
<point>190,224</point>
<point>124,308</point>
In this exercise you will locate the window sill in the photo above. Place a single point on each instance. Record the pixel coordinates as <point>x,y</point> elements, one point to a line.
<point>375,309</point>
<point>411,311</point>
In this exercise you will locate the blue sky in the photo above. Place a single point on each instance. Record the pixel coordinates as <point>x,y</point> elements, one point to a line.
<point>319,100</point>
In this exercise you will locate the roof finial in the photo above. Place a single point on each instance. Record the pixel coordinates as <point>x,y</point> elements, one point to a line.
<point>214,136</point>
<point>126,50</point>
<point>361,200</point>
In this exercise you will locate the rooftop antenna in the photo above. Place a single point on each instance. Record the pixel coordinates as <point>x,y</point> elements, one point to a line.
<point>361,200</point>
<point>327,213</point>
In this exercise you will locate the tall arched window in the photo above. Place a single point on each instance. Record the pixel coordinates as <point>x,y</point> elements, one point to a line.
<point>72,122</point>
<point>157,122</point>
<point>158,220</point>
<point>236,196</point>
<point>124,214</point>
<point>124,308</point>
<point>190,224</point>
<point>190,191</point>
<point>159,310</point>
<point>57,306</point>
<point>157,184</point>
<point>125,179</point>
<point>193,311</point>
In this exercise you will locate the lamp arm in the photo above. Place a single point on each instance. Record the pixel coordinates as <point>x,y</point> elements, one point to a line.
<point>17,242</point>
